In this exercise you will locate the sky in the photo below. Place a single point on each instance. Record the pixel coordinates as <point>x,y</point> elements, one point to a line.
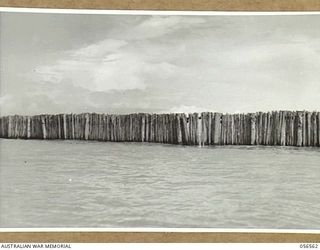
<point>72,63</point>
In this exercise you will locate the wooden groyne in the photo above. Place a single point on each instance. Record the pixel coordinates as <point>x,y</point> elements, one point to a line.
<point>283,128</point>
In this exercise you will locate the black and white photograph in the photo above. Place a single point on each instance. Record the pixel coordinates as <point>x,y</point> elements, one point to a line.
<point>172,121</point>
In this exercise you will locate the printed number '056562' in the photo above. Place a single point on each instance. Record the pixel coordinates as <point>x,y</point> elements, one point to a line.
<point>309,246</point>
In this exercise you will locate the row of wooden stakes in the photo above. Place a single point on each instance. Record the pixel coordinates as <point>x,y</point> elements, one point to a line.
<point>284,128</point>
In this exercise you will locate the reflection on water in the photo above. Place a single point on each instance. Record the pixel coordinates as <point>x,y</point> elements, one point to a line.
<point>99,184</point>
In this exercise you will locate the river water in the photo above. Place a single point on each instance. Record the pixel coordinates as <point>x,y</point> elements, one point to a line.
<point>120,185</point>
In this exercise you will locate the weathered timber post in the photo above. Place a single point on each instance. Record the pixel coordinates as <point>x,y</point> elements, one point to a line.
<point>28,127</point>
<point>209,128</point>
<point>86,133</point>
<point>217,128</point>
<point>184,130</point>
<point>203,137</point>
<point>253,129</point>
<point>44,130</point>
<point>10,127</point>
<point>64,121</point>
<point>308,129</point>
<point>299,129</point>
<point>178,125</point>
<point>143,122</point>
<point>282,128</point>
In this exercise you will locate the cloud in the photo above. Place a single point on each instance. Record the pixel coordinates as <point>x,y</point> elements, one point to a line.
<point>171,73</point>
<point>98,67</point>
<point>109,65</point>
<point>119,62</point>
<point>171,64</point>
<point>158,26</point>
<point>99,49</point>
<point>5,99</point>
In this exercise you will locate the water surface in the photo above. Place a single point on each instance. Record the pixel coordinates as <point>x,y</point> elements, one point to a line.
<point>103,184</point>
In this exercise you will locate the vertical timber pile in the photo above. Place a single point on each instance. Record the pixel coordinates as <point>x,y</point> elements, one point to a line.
<point>282,128</point>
